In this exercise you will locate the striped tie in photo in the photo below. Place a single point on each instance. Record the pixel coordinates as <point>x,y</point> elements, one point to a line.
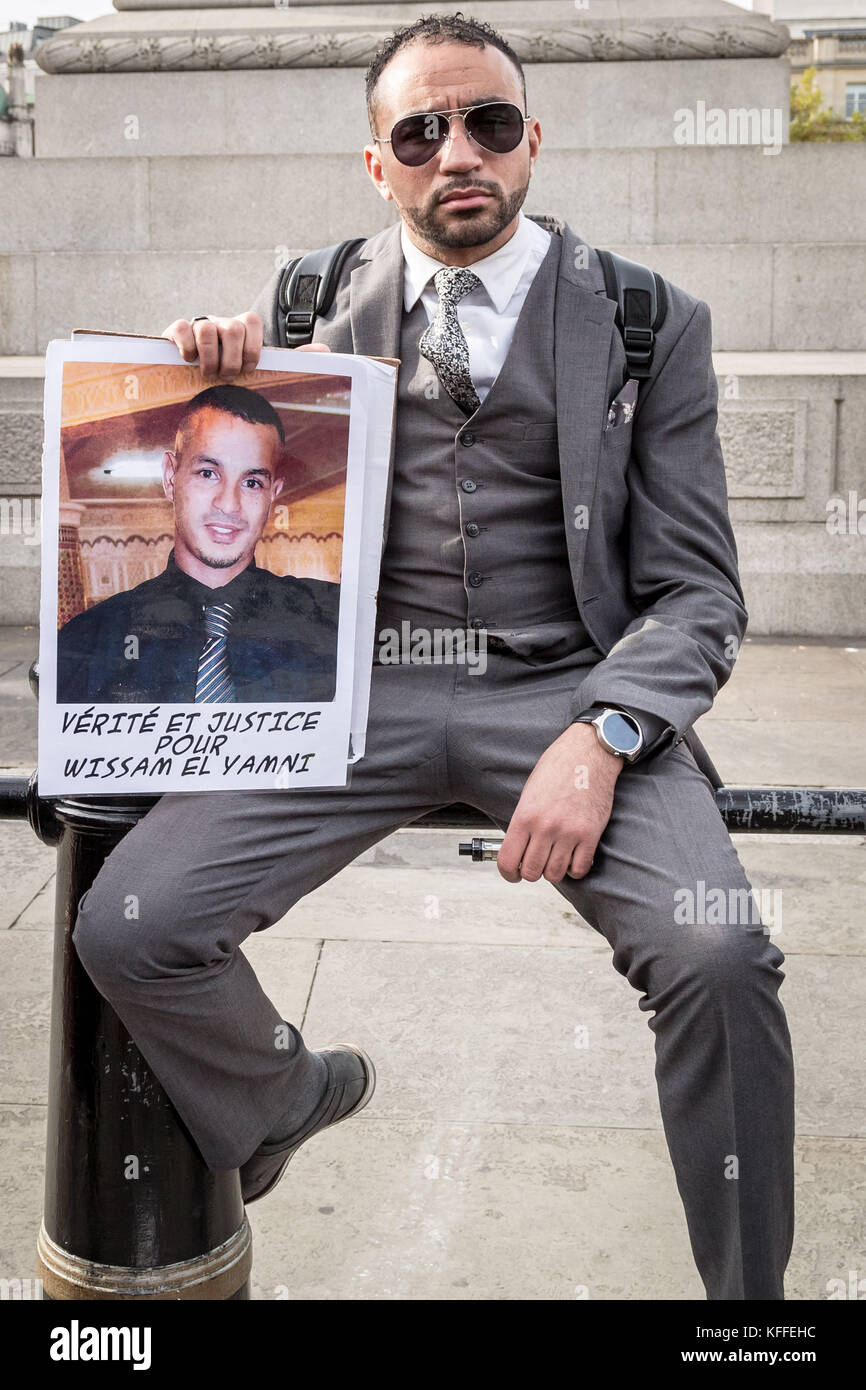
<point>214,682</point>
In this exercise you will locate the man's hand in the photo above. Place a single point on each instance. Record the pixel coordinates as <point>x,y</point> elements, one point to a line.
<point>563,810</point>
<point>225,348</point>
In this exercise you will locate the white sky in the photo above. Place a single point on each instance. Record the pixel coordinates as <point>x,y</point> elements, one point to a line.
<point>29,10</point>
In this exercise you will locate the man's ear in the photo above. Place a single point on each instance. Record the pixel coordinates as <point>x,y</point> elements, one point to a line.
<point>277,488</point>
<point>169,468</point>
<point>377,174</point>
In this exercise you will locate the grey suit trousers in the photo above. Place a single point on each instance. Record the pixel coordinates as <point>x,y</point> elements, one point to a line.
<point>209,869</point>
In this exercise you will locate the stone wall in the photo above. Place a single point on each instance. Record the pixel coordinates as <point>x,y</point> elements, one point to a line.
<point>774,243</point>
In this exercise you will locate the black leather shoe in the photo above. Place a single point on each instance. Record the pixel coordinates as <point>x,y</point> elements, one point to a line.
<point>351,1084</point>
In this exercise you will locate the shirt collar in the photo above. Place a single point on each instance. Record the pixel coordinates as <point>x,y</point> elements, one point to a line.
<point>238,590</point>
<point>499,272</point>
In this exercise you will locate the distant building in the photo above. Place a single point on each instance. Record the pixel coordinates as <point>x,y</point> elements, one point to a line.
<point>18,45</point>
<point>831,37</point>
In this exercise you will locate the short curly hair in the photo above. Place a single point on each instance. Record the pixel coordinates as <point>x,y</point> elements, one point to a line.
<point>436,28</point>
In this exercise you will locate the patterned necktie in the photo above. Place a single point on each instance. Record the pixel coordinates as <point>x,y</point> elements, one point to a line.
<point>443,343</point>
<point>214,681</point>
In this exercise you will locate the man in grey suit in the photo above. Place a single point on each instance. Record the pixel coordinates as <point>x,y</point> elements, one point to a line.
<point>590,545</point>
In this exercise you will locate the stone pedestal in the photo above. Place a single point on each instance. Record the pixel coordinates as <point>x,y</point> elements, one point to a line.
<point>285,79</point>
<point>182,152</point>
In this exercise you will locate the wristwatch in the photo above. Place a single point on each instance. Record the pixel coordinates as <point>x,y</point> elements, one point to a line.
<point>617,731</point>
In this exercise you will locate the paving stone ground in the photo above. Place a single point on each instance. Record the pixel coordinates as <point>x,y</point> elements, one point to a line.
<point>468,1177</point>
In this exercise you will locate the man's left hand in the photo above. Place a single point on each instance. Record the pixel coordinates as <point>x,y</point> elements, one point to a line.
<point>563,810</point>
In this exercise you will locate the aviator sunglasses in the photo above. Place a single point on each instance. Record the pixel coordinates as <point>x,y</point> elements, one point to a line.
<point>497,126</point>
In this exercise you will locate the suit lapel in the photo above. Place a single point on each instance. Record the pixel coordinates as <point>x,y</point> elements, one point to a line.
<point>376,296</point>
<point>376,312</point>
<point>583,328</point>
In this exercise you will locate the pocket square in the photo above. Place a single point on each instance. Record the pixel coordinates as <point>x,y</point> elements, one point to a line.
<point>622,407</point>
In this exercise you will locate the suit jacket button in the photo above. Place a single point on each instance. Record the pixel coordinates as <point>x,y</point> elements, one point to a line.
<point>468,485</point>
<point>475,579</point>
<point>472,528</point>
<point>468,439</point>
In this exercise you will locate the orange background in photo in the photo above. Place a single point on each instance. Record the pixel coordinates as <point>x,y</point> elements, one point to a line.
<point>116,524</point>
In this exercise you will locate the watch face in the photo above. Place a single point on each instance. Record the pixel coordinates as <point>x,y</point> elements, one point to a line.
<point>620,733</point>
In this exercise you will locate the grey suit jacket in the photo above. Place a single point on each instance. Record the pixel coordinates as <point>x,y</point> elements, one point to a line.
<point>650,544</point>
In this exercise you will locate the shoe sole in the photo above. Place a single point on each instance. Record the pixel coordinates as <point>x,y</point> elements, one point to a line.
<point>358,1106</point>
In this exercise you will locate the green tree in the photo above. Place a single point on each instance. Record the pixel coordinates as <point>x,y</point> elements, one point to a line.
<point>811,121</point>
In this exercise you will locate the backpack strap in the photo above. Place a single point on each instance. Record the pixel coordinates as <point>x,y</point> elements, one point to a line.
<point>640,297</point>
<point>641,304</point>
<point>307,289</point>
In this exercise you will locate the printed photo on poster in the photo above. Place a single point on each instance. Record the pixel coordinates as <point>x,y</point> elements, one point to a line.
<point>204,622</point>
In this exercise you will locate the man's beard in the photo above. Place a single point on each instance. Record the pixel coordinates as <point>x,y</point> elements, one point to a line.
<point>475,227</point>
<point>218,562</point>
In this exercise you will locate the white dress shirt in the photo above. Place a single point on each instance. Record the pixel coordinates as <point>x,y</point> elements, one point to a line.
<point>488,313</point>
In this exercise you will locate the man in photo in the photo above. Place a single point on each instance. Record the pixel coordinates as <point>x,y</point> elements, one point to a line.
<point>213,627</point>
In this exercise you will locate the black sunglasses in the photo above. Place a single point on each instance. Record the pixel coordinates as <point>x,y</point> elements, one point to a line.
<point>497,126</point>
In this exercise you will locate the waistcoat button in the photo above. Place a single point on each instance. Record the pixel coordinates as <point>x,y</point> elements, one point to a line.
<point>475,579</point>
<point>468,438</point>
<point>468,485</point>
<point>472,528</point>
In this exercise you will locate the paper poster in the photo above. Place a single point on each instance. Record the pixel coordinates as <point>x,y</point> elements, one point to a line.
<point>211,558</point>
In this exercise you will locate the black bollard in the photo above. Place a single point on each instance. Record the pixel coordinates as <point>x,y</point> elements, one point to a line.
<point>131,1208</point>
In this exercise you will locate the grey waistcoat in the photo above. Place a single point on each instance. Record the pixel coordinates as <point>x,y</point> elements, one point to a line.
<point>476,535</point>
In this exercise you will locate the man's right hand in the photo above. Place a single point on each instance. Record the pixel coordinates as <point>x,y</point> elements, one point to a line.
<point>225,348</point>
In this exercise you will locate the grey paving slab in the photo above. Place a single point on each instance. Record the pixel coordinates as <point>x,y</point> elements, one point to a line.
<point>380,1209</point>
<point>39,913</point>
<point>26,865</point>
<point>286,970</point>
<point>445,1023</point>
<point>22,1174</point>
<point>9,665</point>
<point>20,758</point>
<point>18,715</point>
<point>830,1229</point>
<point>825,1001</point>
<point>468,904</point>
<point>732,701</point>
<point>25,1016</point>
<point>19,644</point>
<point>796,681</point>
<point>822,883</point>
<point>790,753</point>
<point>490,1033</point>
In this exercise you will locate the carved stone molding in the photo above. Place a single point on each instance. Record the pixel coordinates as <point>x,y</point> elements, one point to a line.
<point>86,49</point>
<point>764,447</point>
<point>20,447</point>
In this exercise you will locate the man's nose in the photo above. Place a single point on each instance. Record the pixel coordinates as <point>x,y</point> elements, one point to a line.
<point>228,497</point>
<point>459,151</point>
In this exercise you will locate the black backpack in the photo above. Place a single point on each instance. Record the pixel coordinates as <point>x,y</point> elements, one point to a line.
<point>308,286</point>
